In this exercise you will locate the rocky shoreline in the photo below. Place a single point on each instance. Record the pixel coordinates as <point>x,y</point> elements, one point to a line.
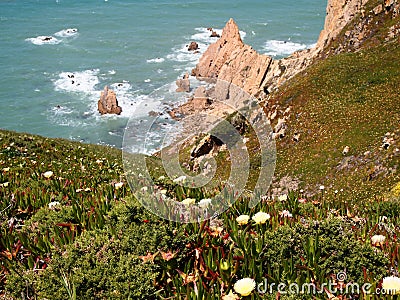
<point>229,65</point>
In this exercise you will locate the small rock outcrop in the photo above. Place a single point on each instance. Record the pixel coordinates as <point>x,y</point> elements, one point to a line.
<point>108,103</point>
<point>183,84</point>
<point>193,46</point>
<point>214,34</point>
<point>205,146</point>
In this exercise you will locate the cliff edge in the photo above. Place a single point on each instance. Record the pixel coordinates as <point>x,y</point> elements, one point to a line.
<point>231,60</point>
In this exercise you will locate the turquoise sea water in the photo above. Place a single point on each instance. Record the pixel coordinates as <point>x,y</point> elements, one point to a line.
<point>136,47</point>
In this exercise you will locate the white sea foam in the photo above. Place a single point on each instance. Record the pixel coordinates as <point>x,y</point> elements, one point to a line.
<point>69,32</point>
<point>83,82</point>
<point>181,54</point>
<point>112,72</point>
<point>282,48</point>
<point>43,40</point>
<point>156,60</point>
<point>204,35</point>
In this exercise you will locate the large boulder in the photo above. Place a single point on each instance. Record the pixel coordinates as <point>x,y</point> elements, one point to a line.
<point>108,103</point>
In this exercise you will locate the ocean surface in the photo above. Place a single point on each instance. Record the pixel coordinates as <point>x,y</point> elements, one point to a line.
<point>57,56</point>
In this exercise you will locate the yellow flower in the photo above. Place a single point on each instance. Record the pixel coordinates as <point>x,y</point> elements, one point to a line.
<point>179,179</point>
<point>243,219</point>
<point>224,265</point>
<point>282,198</point>
<point>53,204</point>
<point>204,203</point>
<point>48,174</point>
<point>230,296</point>
<point>244,286</point>
<point>119,185</point>
<point>391,285</point>
<point>261,217</point>
<point>378,240</point>
<point>188,201</point>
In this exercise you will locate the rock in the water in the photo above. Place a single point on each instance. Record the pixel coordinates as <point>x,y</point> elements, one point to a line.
<point>193,46</point>
<point>108,103</point>
<point>214,34</point>
<point>183,84</point>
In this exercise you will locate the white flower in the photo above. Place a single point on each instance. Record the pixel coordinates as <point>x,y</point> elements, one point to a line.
<point>204,203</point>
<point>302,191</point>
<point>6,169</point>
<point>391,285</point>
<point>244,286</point>
<point>282,198</point>
<point>144,189</point>
<point>286,214</point>
<point>230,296</point>
<point>243,219</point>
<point>189,201</point>
<point>87,190</point>
<point>336,191</point>
<point>261,217</point>
<point>53,204</point>
<point>163,192</point>
<point>383,219</point>
<point>378,240</point>
<point>79,190</point>
<point>99,161</point>
<point>321,187</point>
<point>179,179</point>
<point>119,185</point>
<point>48,174</point>
<point>161,178</point>
<point>5,184</point>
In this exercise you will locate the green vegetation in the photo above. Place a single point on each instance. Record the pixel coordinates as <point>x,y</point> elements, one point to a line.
<point>347,100</point>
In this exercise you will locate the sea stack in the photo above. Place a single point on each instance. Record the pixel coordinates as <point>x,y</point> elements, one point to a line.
<point>108,103</point>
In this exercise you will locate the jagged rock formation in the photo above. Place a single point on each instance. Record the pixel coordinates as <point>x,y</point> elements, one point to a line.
<point>231,60</point>
<point>183,84</point>
<point>108,103</point>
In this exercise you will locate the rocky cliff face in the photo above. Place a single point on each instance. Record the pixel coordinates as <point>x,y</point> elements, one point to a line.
<point>231,60</point>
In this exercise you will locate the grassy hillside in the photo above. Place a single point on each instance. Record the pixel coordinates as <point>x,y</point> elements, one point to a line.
<point>350,99</point>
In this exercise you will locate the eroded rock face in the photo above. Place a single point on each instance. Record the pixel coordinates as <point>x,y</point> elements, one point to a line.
<point>108,103</point>
<point>338,14</point>
<point>183,84</point>
<point>205,146</point>
<point>231,60</point>
<point>219,52</point>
